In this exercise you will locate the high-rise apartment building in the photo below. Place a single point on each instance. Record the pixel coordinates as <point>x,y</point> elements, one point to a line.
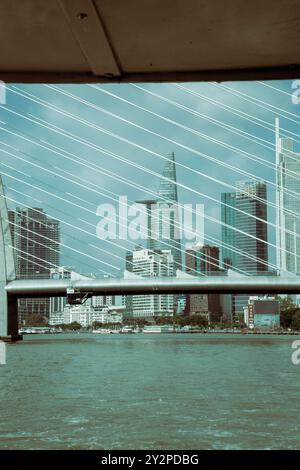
<point>35,239</point>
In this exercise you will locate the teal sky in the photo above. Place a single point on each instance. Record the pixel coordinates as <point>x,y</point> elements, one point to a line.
<point>26,125</point>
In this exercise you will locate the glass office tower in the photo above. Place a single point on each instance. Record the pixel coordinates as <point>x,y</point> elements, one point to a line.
<point>288,204</point>
<point>251,221</point>
<point>163,217</point>
<point>228,216</point>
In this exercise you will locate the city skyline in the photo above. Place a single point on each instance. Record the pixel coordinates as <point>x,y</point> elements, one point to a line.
<point>66,196</point>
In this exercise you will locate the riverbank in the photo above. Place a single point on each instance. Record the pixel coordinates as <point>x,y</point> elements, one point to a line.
<point>50,331</point>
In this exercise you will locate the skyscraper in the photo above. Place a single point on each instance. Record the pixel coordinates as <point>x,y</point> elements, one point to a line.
<point>245,243</point>
<point>228,249</point>
<point>35,239</point>
<point>36,242</point>
<point>288,207</point>
<point>228,219</point>
<point>251,219</point>
<point>163,215</point>
<point>245,211</point>
<point>167,185</point>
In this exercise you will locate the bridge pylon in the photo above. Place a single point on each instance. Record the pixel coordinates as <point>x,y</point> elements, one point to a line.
<point>8,302</point>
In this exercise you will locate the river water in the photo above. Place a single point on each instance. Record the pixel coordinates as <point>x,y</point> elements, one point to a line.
<point>150,391</point>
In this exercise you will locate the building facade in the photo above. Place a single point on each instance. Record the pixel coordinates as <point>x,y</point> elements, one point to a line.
<point>147,263</point>
<point>262,312</point>
<point>228,234</point>
<point>59,307</point>
<point>203,260</point>
<point>87,315</point>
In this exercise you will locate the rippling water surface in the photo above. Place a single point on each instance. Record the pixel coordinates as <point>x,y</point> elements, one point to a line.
<point>84,391</point>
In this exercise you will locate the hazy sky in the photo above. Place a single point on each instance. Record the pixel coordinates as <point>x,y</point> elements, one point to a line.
<point>27,126</point>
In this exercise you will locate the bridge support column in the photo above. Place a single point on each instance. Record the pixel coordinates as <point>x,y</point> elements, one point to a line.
<point>8,303</point>
<point>8,316</point>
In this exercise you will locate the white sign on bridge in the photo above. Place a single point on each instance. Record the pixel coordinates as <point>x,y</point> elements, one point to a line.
<point>2,353</point>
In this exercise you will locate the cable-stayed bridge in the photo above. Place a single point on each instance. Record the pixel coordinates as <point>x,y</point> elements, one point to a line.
<point>242,282</point>
<point>11,289</point>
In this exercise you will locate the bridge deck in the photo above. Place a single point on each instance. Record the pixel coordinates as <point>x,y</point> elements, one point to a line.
<point>209,284</point>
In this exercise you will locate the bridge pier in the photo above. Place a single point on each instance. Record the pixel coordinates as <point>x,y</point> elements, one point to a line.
<point>9,331</point>
<point>8,302</point>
